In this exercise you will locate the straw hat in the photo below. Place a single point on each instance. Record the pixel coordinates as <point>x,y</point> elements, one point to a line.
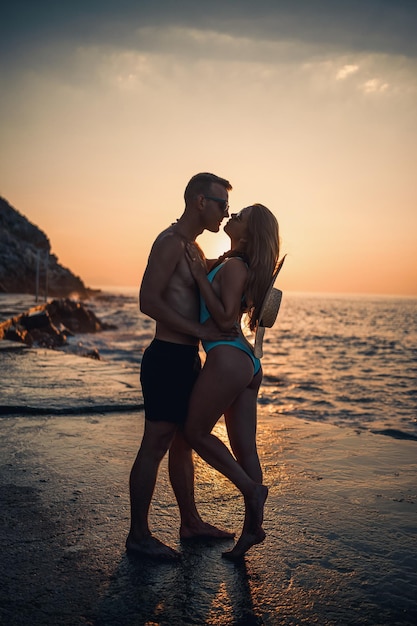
<point>270,308</point>
<point>269,312</point>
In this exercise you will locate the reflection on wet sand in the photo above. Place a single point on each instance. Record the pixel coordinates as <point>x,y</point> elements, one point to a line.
<point>200,589</point>
<point>340,520</point>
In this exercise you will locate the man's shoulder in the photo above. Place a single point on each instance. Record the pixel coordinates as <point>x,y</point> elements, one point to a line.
<point>167,232</point>
<point>167,248</point>
<point>169,237</point>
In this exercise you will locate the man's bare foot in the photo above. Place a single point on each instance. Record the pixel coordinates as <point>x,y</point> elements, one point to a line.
<point>245,541</point>
<point>202,530</point>
<point>151,547</point>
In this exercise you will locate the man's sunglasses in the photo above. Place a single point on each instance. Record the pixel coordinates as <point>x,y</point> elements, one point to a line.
<point>223,204</point>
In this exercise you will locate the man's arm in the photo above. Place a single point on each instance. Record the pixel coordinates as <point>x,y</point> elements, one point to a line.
<point>163,262</point>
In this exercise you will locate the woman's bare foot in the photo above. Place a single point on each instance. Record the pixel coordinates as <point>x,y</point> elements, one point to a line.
<point>203,530</point>
<point>151,547</point>
<point>252,532</point>
<point>255,509</point>
<point>245,541</point>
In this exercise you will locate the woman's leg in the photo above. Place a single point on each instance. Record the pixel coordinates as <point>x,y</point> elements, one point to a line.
<point>241,421</point>
<point>241,424</point>
<point>181,473</point>
<point>225,375</point>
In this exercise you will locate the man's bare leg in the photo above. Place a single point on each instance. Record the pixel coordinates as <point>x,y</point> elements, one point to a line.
<point>155,442</point>
<point>181,472</point>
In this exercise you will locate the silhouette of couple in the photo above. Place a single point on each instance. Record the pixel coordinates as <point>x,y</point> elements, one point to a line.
<point>192,299</point>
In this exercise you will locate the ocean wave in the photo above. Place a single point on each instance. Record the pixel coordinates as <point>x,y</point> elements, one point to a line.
<point>349,361</point>
<point>97,409</point>
<point>395,433</point>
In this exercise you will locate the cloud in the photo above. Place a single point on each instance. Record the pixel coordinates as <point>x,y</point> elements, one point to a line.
<point>33,29</point>
<point>346,71</point>
<point>374,85</point>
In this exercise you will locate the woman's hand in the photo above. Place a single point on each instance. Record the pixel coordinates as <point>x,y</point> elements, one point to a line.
<point>195,261</point>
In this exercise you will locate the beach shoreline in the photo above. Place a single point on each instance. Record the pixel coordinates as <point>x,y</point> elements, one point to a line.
<point>340,519</point>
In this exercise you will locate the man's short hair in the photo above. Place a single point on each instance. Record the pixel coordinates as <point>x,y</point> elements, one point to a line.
<point>201,184</point>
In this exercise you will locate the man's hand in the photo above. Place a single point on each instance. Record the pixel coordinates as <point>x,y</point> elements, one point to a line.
<point>210,332</point>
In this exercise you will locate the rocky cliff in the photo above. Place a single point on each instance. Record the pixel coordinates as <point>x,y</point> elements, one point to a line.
<point>26,260</point>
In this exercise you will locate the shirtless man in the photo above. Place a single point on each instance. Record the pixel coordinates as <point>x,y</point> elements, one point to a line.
<point>170,367</point>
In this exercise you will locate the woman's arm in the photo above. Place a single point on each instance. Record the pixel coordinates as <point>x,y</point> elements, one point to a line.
<point>224,303</point>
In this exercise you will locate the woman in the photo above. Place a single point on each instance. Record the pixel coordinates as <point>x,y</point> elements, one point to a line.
<point>230,379</point>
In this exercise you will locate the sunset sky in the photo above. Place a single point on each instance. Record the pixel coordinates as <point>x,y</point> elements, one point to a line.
<point>307,106</point>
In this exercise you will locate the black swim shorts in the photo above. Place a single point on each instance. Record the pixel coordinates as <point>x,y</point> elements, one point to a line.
<point>167,375</point>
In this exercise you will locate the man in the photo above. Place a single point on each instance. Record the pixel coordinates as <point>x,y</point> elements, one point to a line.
<point>170,367</point>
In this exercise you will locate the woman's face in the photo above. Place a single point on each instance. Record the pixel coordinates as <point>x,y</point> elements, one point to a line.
<point>237,226</point>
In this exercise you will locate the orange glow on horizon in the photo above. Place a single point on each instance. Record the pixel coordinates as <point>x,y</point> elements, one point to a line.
<point>99,142</point>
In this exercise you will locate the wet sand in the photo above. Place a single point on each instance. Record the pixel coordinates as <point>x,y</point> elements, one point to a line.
<point>340,519</point>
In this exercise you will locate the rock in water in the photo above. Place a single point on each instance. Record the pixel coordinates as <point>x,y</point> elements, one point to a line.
<point>49,325</point>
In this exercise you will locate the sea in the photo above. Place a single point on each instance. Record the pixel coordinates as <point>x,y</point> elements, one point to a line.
<point>347,360</point>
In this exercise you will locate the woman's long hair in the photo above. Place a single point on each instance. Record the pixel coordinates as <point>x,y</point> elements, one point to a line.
<point>262,253</point>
